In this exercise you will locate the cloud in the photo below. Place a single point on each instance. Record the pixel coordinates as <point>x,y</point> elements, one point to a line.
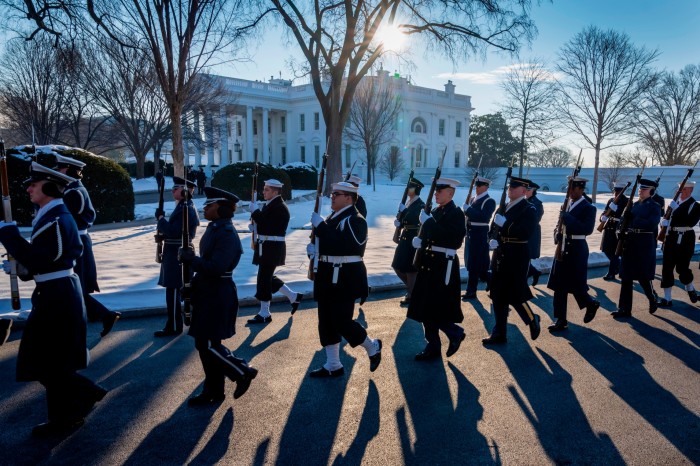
<point>489,77</point>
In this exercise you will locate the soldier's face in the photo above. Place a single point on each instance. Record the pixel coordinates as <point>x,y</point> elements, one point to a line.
<point>644,193</point>
<point>481,189</point>
<point>269,193</point>
<point>340,199</point>
<point>36,194</point>
<point>211,211</point>
<point>687,192</point>
<point>516,192</point>
<point>444,195</point>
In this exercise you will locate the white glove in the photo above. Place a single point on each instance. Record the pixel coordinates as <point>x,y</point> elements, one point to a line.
<point>253,206</point>
<point>416,242</point>
<point>664,222</point>
<point>397,223</point>
<point>613,207</point>
<point>603,218</point>
<point>7,224</point>
<point>251,227</point>
<point>465,206</point>
<point>673,205</point>
<point>6,266</point>
<point>423,217</point>
<point>499,220</point>
<point>402,207</point>
<point>493,244</point>
<point>311,249</point>
<point>316,219</point>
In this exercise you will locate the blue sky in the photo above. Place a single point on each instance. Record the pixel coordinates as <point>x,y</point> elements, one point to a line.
<point>671,26</point>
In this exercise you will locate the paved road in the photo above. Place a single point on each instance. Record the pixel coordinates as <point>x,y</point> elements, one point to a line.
<point>604,393</point>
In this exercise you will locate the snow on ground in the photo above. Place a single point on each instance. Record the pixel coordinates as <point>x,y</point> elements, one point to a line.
<point>128,273</point>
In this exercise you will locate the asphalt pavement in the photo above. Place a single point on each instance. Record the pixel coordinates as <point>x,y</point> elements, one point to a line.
<point>607,392</point>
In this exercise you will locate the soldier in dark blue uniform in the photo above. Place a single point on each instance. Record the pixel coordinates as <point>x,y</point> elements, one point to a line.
<point>476,251</point>
<point>679,244</point>
<point>639,253</point>
<point>53,346</point>
<point>360,205</point>
<point>341,278</point>
<point>609,242</point>
<point>510,263</point>
<point>435,301</point>
<point>408,222</point>
<point>535,241</point>
<point>170,269</point>
<point>570,274</point>
<point>77,200</point>
<point>271,250</point>
<point>215,299</point>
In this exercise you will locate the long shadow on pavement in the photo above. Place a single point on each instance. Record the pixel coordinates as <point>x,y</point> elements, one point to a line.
<point>367,429</point>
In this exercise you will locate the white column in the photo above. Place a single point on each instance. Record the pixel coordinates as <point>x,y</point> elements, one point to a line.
<point>223,126</point>
<point>209,134</point>
<point>265,152</point>
<point>451,127</point>
<point>198,135</point>
<point>249,134</point>
<point>288,134</point>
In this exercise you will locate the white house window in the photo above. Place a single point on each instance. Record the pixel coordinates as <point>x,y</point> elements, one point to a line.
<point>255,126</point>
<point>458,129</point>
<point>302,122</point>
<point>417,156</point>
<point>347,155</point>
<point>317,155</point>
<point>284,155</point>
<point>238,129</point>
<point>283,124</point>
<point>302,154</point>
<point>457,157</point>
<point>317,121</point>
<point>418,126</point>
<point>441,127</point>
<point>269,126</point>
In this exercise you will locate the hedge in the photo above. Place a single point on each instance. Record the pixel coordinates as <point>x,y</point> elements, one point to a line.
<point>303,176</point>
<point>109,184</point>
<point>238,179</point>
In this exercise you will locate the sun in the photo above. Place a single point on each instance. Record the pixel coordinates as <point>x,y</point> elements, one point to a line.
<point>392,37</point>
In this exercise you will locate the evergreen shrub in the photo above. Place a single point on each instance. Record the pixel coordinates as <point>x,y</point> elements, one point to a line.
<point>237,178</point>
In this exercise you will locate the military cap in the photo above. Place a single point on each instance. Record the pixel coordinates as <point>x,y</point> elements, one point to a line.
<point>443,183</point>
<point>354,179</point>
<point>63,161</point>
<point>647,184</point>
<point>415,183</point>
<point>688,184</point>
<point>620,185</point>
<point>579,182</point>
<point>481,181</point>
<point>533,186</point>
<point>181,183</point>
<point>38,172</point>
<point>219,195</point>
<point>344,186</point>
<point>274,183</point>
<point>516,182</point>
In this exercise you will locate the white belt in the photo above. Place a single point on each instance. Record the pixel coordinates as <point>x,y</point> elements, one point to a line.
<point>479,224</point>
<point>450,255</point>
<point>45,277</point>
<point>681,229</point>
<point>338,262</point>
<point>83,232</point>
<point>576,236</point>
<point>270,238</point>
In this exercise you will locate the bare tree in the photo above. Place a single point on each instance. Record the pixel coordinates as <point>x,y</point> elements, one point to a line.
<point>668,119</point>
<point>372,118</point>
<point>391,164</point>
<point>530,97</point>
<point>551,157</point>
<point>340,42</point>
<point>604,75</point>
<point>613,165</point>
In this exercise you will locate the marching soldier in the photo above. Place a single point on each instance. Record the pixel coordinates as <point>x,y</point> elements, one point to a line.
<point>609,242</point>
<point>510,263</point>
<point>639,253</point>
<point>77,200</point>
<point>569,275</point>
<point>679,245</point>
<point>435,301</point>
<point>535,241</point>
<point>408,222</point>
<point>215,300</point>
<point>170,269</point>
<point>360,205</point>
<point>53,346</point>
<point>341,279</point>
<point>476,253</point>
<point>271,250</point>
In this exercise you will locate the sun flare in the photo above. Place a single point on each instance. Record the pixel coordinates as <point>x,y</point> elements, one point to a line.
<point>392,38</point>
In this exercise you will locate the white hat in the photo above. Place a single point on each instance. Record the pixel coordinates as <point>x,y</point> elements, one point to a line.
<point>38,172</point>
<point>62,160</point>
<point>344,186</point>
<point>274,183</point>
<point>446,182</point>
<point>355,179</point>
<point>620,185</point>
<point>688,184</point>
<point>481,179</point>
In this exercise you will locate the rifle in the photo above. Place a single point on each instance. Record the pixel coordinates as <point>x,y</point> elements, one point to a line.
<point>159,236</point>
<point>560,229</point>
<point>669,211</point>
<point>417,259</point>
<point>186,283</point>
<point>313,263</point>
<point>494,228</point>
<point>608,212</point>
<point>253,198</point>
<point>626,218</point>
<point>7,211</point>
<point>349,173</point>
<point>471,186</point>
<point>397,231</point>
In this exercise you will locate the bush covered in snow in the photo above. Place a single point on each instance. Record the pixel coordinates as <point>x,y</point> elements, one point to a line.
<point>109,184</point>
<point>303,176</point>
<point>238,179</point>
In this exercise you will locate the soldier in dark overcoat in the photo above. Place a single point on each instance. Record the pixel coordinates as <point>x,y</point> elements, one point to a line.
<point>360,204</point>
<point>679,244</point>
<point>77,200</point>
<point>215,300</point>
<point>639,252</point>
<point>535,241</point>
<point>510,263</point>
<point>570,274</point>
<point>612,222</point>
<point>408,222</point>
<point>170,268</point>
<point>53,346</point>
<point>270,225</point>
<point>478,214</point>
<point>435,301</point>
<point>340,279</point>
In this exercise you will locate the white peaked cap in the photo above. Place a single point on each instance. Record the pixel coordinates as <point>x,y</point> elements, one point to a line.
<point>344,186</point>
<point>61,159</point>
<point>274,183</point>
<point>452,183</point>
